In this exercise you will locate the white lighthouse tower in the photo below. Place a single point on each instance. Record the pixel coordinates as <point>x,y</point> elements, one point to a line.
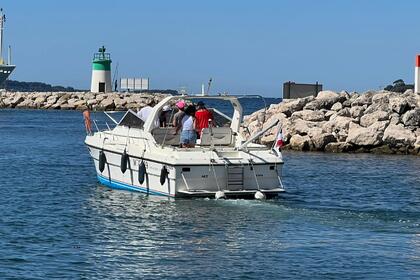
<point>101,72</point>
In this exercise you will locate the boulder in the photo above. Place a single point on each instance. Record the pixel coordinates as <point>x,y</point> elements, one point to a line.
<point>363,99</point>
<point>337,106</point>
<point>327,98</point>
<point>348,102</point>
<point>338,147</point>
<point>27,103</point>
<point>52,99</point>
<point>398,136</point>
<point>377,107</point>
<point>314,105</point>
<point>328,114</point>
<point>345,112</point>
<point>394,118</point>
<point>362,136</point>
<point>290,106</point>
<point>120,103</point>
<point>327,94</point>
<point>15,101</point>
<point>356,112</point>
<point>398,105</point>
<point>107,104</point>
<point>67,106</point>
<point>319,141</point>
<point>336,124</point>
<point>412,118</point>
<point>368,119</point>
<point>300,143</point>
<point>380,126</point>
<point>309,115</point>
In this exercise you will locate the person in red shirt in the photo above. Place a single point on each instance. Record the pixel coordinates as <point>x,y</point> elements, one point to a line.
<point>202,117</point>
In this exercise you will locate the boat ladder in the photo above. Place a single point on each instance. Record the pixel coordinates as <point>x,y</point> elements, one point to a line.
<point>235,177</point>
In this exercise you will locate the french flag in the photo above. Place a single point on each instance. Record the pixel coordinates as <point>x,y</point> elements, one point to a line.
<point>279,141</point>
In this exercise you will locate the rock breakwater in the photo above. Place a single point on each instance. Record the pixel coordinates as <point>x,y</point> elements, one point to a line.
<point>374,121</point>
<point>77,100</point>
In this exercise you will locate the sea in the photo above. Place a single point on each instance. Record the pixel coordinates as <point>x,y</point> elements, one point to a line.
<point>344,216</point>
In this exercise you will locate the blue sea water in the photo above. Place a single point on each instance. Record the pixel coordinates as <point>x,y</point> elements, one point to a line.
<point>345,216</point>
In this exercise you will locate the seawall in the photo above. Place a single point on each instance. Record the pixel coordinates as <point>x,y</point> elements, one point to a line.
<point>374,121</point>
<point>77,100</point>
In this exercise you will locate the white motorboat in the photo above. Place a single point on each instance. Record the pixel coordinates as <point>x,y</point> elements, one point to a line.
<point>138,156</point>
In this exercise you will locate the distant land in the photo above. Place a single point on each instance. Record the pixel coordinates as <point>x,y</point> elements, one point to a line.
<point>35,86</point>
<point>18,86</point>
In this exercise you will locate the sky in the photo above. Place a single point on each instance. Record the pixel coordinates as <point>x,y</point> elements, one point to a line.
<point>246,47</point>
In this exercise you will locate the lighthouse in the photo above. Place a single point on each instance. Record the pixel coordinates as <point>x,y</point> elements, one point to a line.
<point>101,72</point>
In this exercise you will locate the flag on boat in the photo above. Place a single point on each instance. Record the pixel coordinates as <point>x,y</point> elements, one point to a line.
<point>279,141</point>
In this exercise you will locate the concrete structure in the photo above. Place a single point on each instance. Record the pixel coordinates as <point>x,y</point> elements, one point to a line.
<point>101,72</point>
<point>293,90</point>
<point>417,75</point>
<point>134,84</point>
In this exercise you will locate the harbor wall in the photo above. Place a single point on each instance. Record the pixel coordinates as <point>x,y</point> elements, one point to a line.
<point>374,121</point>
<point>77,100</point>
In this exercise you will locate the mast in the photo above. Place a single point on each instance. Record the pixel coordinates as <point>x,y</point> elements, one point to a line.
<point>2,20</point>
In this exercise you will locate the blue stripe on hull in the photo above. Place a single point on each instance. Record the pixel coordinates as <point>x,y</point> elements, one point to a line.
<point>122,186</point>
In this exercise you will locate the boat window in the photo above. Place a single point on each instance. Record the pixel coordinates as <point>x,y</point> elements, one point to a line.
<point>131,120</point>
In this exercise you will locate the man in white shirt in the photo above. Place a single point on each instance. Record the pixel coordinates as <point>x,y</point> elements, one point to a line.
<point>144,112</point>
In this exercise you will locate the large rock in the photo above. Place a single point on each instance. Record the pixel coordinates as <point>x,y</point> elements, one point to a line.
<point>362,136</point>
<point>107,104</point>
<point>27,103</point>
<point>15,101</point>
<point>319,141</point>
<point>357,111</point>
<point>398,136</point>
<point>309,115</point>
<point>369,119</point>
<point>338,147</point>
<point>364,99</point>
<point>290,106</point>
<point>412,118</point>
<point>336,124</point>
<point>337,106</point>
<point>120,103</point>
<point>345,112</point>
<point>398,105</point>
<point>300,143</point>
<point>327,98</point>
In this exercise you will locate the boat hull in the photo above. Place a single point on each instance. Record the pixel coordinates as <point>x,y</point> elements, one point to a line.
<point>187,180</point>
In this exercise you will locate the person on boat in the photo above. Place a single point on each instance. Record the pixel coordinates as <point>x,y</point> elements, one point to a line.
<point>88,122</point>
<point>165,116</point>
<point>180,114</point>
<point>202,116</point>
<point>144,112</point>
<point>188,133</point>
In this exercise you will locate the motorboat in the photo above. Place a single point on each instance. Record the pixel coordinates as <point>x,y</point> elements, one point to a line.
<point>140,156</point>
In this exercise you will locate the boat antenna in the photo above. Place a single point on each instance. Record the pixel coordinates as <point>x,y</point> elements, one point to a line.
<point>2,21</point>
<point>209,85</point>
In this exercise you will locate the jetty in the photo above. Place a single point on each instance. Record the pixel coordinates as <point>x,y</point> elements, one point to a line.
<point>374,121</point>
<point>78,100</point>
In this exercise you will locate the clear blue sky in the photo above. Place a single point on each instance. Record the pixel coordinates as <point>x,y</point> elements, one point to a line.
<point>246,46</point>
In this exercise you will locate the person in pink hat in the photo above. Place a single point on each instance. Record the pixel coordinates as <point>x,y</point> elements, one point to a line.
<point>180,114</point>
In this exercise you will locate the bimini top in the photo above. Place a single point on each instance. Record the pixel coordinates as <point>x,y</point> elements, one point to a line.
<point>236,118</point>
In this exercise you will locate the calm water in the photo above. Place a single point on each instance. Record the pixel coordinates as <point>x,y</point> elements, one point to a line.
<point>344,217</point>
